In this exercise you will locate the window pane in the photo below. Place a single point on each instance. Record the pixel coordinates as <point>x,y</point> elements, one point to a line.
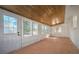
<point>35,29</point>
<point>6,21</point>
<point>27,27</point>
<point>13,25</point>
<point>59,29</point>
<point>43,29</point>
<point>74,21</point>
<point>10,24</point>
<point>46,29</point>
<point>6,30</point>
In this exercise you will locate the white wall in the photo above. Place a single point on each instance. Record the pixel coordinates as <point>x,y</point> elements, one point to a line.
<point>9,43</point>
<point>31,39</point>
<point>27,40</point>
<point>60,30</point>
<point>1,34</point>
<point>74,32</point>
<point>67,28</point>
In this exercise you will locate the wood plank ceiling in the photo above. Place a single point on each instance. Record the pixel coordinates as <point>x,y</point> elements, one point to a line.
<point>46,14</point>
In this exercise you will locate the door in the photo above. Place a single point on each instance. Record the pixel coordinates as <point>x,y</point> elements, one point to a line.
<point>11,31</point>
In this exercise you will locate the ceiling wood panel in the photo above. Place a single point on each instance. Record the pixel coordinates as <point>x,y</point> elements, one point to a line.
<point>45,14</point>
